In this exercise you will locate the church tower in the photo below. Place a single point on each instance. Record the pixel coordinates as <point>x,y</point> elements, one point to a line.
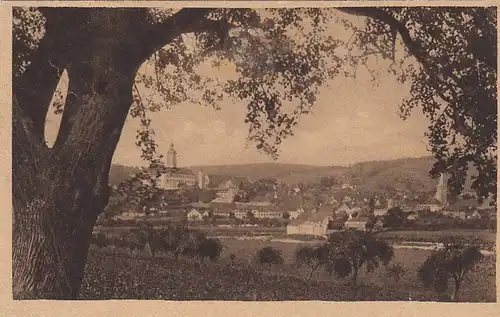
<point>442,190</point>
<point>172,157</point>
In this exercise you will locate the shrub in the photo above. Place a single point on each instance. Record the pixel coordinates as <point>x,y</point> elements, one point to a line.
<point>269,255</point>
<point>211,248</point>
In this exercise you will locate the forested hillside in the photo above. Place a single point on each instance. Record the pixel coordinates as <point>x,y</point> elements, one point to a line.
<point>401,173</point>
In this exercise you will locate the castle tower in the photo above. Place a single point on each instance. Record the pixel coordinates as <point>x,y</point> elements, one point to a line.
<point>442,190</point>
<point>172,157</point>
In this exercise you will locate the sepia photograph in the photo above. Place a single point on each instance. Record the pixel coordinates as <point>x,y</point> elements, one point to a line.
<point>333,153</point>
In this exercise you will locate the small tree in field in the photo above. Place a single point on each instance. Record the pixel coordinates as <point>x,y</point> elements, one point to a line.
<point>269,256</point>
<point>312,256</point>
<point>350,250</point>
<point>396,271</point>
<point>99,240</point>
<point>454,262</point>
<point>210,248</point>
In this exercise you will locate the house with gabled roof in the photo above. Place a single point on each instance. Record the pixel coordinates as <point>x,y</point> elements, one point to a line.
<point>260,209</point>
<point>343,209</point>
<point>293,205</point>
<point>358,223</point>
<point>382,207</point>
<point>311,223</point>
<point>194,215</point>
<point>222,209</point>
<point>224,181</point>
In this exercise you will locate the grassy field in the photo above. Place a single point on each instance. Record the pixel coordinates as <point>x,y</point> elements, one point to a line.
<point>434,235</point>
<point>486,238</point>
<point>165,278</point>
<point>481,281</point>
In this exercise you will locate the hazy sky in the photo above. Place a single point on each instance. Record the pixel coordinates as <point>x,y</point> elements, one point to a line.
<point>352,121</point>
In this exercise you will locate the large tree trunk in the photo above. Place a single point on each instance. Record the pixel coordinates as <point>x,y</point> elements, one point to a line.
<point>51,233</point>
<point>58,193</point>
<point>56,210</point>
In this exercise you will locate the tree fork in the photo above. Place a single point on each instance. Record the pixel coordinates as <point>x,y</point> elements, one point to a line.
<point>58,193</point>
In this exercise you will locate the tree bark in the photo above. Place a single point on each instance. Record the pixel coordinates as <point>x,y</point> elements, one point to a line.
<point>456,291</point>
<point>58,193</point>
<point>313,269</point>
<point>355,277</point>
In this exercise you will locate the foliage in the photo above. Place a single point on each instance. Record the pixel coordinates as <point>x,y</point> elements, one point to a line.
<point>328,182</point>
<point>173,238</point>
<point>350,250</point>
<point>394,218</point>
<point>269,255</point>
<point>119,276</point>
<point>396,271</point>
<point>211,248</point>
<point>311,256</point>
<point>454,261</point>
<point>206,195</point>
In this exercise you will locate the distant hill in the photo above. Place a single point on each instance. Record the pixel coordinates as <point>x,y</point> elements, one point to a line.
<point>287,173</point>
<point>400,173</point>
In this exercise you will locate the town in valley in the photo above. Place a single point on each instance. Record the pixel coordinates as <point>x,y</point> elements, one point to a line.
<point>254,154</point>
<point>291,210</point>
<point>314,206</point>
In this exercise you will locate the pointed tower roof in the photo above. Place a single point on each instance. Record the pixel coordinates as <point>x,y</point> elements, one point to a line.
<point>171,149</point>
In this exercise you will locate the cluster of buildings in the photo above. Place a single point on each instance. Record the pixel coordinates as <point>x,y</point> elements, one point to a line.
<point>174,176</point>
<point>304,220</point>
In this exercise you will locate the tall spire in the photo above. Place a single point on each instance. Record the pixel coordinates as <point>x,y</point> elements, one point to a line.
<point>172,157</point>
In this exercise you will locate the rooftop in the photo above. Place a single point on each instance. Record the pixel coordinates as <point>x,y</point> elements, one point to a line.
<point>221,180</point>
<point>319,216</point>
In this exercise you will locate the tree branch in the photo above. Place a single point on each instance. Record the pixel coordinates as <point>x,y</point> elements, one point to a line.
<point>383,16</point>
<point>186,20</point>
<point>413,47</point>
<point>34,89</point>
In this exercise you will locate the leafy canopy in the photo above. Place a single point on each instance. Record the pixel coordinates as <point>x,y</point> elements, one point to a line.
<point>454,261</point>
<point>351,250</point>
